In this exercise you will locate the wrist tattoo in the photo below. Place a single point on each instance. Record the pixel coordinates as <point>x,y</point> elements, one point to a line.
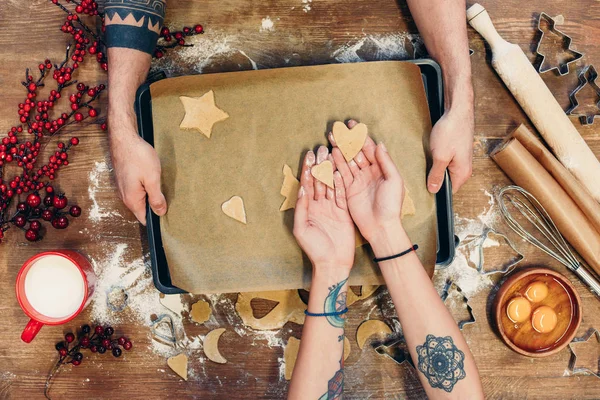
<point>441,362</point>
<point>336,302</point>
<point>134,24</point>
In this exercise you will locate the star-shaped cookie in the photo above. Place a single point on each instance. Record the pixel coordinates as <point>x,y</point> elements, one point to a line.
<point>201,113</point>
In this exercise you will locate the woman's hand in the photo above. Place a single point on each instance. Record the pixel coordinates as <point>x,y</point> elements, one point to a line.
<point>374,188</point>
<point>322,224</point>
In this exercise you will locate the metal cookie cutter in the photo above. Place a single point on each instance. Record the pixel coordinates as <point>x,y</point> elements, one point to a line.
<point>446,292</point>
<point>397,350</point>
<point>573,360</point>
<point>586,77</point>
<point>562,69</point>
<point>506,267</point>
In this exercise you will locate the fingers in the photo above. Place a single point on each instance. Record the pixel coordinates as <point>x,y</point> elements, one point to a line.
<point>305,193</point>
<point>342,166</point>
<point>461,169</point>
<point>351,123</point>
<point>330,193</point>
<point>156,199</point>
<point>354,169</point>
<point>369,150</point>
<point>361,160</point>
<point>340,191</point>
<point>320,188</point>
<point>306,178</point>
<point>388,168</point>
<point>436,174</point>
<point>136,202</point>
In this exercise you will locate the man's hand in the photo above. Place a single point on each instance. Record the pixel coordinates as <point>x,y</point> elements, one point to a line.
<point>137,172</point>
<point>322,223</point>
<point>451,144</point>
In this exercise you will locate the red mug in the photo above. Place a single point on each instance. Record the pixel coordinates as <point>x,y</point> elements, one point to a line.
<point>53,303</point>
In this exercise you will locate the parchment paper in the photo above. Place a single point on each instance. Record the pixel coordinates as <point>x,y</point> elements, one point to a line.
<point>527,172</point>
<point>577,192</point>
<point>275,117</point>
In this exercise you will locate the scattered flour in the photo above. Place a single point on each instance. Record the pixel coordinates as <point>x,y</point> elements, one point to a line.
<point>378,47</point>
<point>306,5</point>
<point>99,178</point>
<point>267,25</point>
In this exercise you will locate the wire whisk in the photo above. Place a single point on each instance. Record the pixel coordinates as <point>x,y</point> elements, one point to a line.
<point>554,244</point>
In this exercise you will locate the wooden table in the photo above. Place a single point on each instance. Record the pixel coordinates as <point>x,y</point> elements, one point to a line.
<point>239,36</point>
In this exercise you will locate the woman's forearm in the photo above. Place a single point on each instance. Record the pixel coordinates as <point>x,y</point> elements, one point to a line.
<point>438,349</point>
<point>319,372</point>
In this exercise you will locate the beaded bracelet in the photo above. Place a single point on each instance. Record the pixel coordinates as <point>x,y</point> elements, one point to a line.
<point>405,252</point>
<point>331,314</point>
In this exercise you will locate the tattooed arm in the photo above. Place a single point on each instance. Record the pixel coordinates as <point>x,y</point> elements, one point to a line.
<point>132,28</point>
<point>375,192</point>
<point>325,232</point>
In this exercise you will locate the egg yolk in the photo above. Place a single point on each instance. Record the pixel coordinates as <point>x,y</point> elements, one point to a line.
<point>544,319</point>
<point>536,292</point>
<point>518,309</point>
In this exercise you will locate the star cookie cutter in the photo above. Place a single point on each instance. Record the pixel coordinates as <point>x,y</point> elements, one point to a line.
<point>397,350</point>
<point>506,268</point>
<point>586,77</point>
<point>446,292</point>
<point>562,69</point>
<point>573,360</point>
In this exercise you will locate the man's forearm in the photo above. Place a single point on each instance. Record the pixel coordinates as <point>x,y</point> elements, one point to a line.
<point>443,26</point>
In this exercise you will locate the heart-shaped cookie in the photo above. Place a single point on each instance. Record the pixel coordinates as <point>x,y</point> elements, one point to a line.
<point>179,365</point>
<point>323,172</point>
<point>234,208</point>
<point>350,141</point>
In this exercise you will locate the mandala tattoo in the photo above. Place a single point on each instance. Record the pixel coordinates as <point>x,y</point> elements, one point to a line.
<point>441,362</point>
<point>336,302</point>
<point>134,24</point>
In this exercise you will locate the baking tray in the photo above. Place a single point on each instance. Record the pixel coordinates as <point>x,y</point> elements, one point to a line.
<point>432,79</point>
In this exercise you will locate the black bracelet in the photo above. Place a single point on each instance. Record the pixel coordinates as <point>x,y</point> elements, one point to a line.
<point>331,314</point>
<point>405,252</point>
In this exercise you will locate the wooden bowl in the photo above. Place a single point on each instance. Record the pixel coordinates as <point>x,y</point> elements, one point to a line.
<point>562,297</point>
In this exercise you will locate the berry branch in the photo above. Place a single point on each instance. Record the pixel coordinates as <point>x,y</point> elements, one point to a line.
<point>38,116</point>
<point>98,341</point>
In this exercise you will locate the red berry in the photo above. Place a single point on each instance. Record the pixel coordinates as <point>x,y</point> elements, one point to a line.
<point>78,116</point>
<point>122,340</point>
<point>74,141</point>
<point>128,345</point>
<point>99,330</point>
<point>22,207</point>
<point>106,343</point>
<point>32,86</point>
<point>198,29</point>
<point>47,215</point>
<point>80,87</point>
<point>75,211</point>
<point>49,189</point>
<point>35,225</point>
<point>60,223</point>
<point>103,126</point>
<point>158,54</point>
<point>31,235</point>
<point>59,202</point>
<point>63,352</point>
<point>34,200</point>
<point>20,221</point>
<point>92,112</point>
<point>69,337</point>
<point>76,363</point>
<point>94,349</point>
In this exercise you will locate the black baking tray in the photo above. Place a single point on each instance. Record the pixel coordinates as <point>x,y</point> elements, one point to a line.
<point>432,79</point>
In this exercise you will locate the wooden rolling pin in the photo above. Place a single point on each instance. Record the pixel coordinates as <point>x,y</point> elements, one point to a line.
<point>537,101</point>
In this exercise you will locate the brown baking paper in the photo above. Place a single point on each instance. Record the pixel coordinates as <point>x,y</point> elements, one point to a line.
<point>527,172</point>
<point>579,194</point>
<point>275,117</point>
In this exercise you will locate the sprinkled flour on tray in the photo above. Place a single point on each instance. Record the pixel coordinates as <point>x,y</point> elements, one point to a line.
<point>267,25</point>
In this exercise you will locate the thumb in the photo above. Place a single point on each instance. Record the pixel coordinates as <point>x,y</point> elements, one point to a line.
<point>436,175</point>
<point>385,162</point>
<point>156,199</point>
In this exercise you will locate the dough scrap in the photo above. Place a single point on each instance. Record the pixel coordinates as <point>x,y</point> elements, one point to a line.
<point>365,291</point>
<point>234,208</point>
<point>201,113</point>
<point>323,172</point>
<point>179,365</point>
<point>408,207</point>
<point>211,346</point>
<point>289,189</point>
<point>290,354</point>
<point>172,302</point>
<point>289,308</point>
<point>349,141</point>
<point>369,328</point>
<point>200,312</point>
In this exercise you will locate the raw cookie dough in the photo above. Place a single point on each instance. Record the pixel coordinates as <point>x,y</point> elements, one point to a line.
<point>179,365</point>
<point>172,302</point>
<point>211,346</point>
<point>369,328</point>
<point>234,208</point>
<point>323,172</point>
<point>349,141</point>
<point>201,113</point>
<point>289,189</point>
<point>290,354</point>
<point>200,312</point>
<point>408,207</point>
<point>290,308</point>
<point>365,291</point>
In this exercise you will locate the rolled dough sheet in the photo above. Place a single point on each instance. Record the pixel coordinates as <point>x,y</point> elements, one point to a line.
<point>275,117</point>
